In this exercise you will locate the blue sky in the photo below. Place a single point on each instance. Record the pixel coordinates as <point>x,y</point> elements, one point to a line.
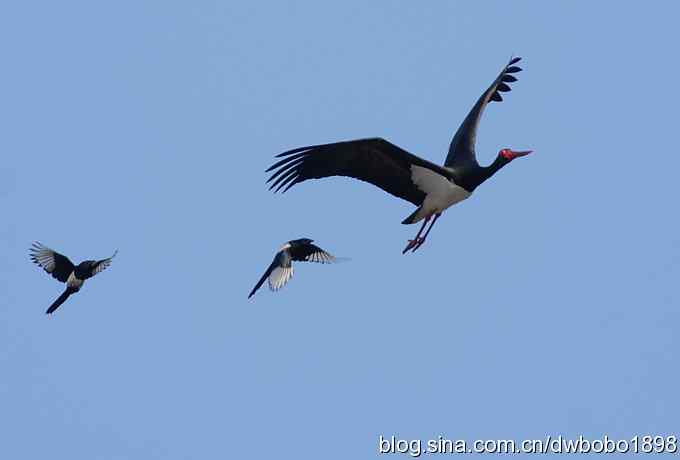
<point>547,303</point>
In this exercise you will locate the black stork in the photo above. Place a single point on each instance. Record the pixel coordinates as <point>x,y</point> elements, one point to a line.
<point>281,268</point>
<point>431,187</point>
<point>61,268</point>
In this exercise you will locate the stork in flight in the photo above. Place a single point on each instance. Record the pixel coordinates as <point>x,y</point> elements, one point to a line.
<point>431,187</point>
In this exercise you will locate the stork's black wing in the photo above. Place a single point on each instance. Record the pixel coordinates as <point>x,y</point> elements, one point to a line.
<point>57,265</point>
<point>97,266</point>
<point>462,149</point>
<point>311,253</point>
<point>375,160</point>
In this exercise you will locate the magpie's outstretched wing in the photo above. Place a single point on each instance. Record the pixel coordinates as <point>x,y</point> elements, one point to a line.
<point>98,266</point>
<point>57,265</point>
<point>278,273</point>
<point>311,253</point>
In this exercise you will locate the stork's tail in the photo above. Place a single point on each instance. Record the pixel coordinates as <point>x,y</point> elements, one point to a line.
<point>413,218</point>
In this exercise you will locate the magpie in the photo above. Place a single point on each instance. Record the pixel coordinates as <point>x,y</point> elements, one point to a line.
<point>281,268</point>
<point>61,268</point>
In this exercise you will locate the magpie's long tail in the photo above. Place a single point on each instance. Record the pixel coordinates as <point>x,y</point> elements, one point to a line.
<point>61,299</point>
<point>264,277</point>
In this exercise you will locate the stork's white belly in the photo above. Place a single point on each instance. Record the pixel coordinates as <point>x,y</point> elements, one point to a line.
<point>440,192</point>
<point>74,282</point>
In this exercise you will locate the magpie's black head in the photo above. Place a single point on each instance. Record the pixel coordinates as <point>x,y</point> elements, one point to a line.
<point>302,241</point>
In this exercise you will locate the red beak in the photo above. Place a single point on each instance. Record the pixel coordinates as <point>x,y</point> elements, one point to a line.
<point>516,154</point>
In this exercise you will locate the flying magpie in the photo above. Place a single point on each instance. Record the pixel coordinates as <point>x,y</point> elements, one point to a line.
<point>61,268</point>
<point>281,268</point>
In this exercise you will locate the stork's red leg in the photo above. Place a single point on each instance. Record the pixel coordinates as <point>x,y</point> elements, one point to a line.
<point>422,240</point>
<point>414,241</point>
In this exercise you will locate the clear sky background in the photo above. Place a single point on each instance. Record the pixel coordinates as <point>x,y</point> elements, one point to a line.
<point>547,303</point>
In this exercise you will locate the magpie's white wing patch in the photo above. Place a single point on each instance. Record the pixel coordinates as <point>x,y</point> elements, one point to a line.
<point>321,257</point>
<point>74,282</point>
<point>279,277</point>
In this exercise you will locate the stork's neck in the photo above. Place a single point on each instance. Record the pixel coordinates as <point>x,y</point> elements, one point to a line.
<point>486,172</point>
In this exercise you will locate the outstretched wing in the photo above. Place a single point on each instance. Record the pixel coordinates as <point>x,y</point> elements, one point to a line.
<point>282,272</point>
<point>462,149</point>
<point>311,253</point>
<point>278,273</point>
<point>57,265</point>
<point>98,266</point>
<point>375,160</point>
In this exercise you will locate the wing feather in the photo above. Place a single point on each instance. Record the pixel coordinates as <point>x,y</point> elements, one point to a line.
<point>462,149</point>
<point>277,274</point>
<point>375,160</point>
<point>101,265</point>
<point>279,277</point>
<point>311,253</point>
<point>57,265</point>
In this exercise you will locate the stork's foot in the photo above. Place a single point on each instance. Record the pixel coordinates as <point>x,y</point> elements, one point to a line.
<point>419,244</point>
<point>413,244</point>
